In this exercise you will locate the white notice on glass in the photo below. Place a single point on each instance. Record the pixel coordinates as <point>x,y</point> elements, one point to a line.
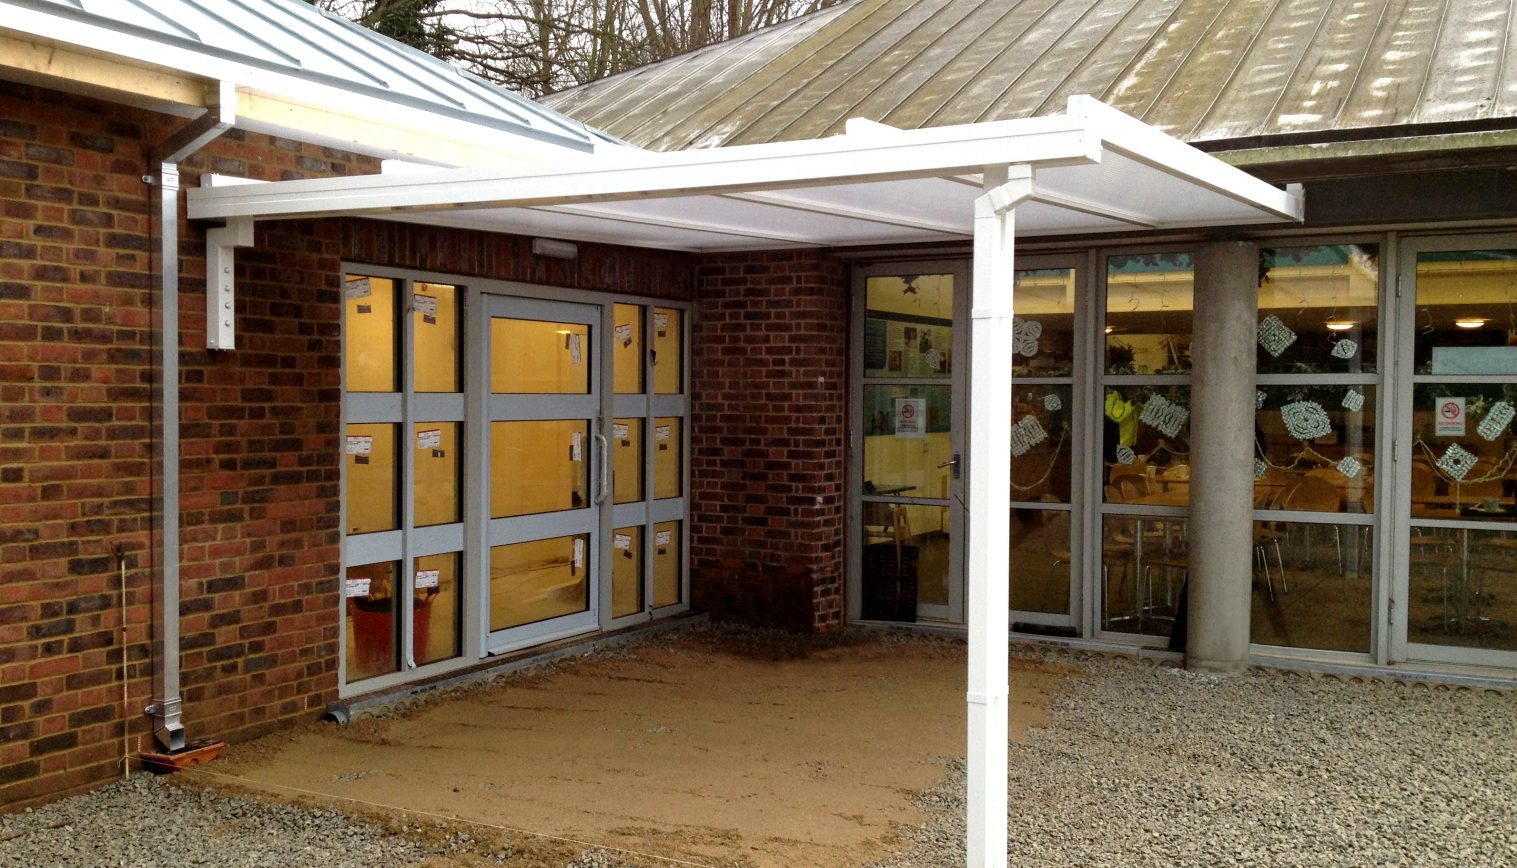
<point>663,537</point>
<point>620,431</point>
<point>579,553</point>
<point>360,444</point>
<point>576,447</point>
<point>910,423</point>
<point>575,356</point>
<point>426,579</point>
<point>624,334</point>
<point>358,587</point>
<point>661,322</point>
<point>621,541</point>
<point>661,432</point>
<point>429,439</point>
<point>355,289</point>
<point>426,305</point>
<point>1449,414</point>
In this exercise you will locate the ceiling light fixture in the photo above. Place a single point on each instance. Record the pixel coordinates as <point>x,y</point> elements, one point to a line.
<point>1339,325</point>
<point>1471,322</point>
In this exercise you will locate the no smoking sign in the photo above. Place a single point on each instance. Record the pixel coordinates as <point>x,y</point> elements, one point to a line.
<point>1450,417</point>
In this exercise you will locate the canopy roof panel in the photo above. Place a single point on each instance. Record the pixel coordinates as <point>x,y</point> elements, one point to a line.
<point>1094,170</point>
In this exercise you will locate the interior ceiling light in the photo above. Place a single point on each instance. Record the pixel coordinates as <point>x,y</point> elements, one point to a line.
<point>1339,325</point>
<point>1110,329</point>
<point>1470,322</point>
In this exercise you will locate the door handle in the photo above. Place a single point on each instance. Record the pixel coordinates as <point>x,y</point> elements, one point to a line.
<point>604,488</point>
<point>952,462</point>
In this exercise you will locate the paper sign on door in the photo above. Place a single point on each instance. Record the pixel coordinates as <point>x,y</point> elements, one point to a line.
<point>1449,413</point>
<point>358,587</point>
<point>910,416</point>
<point>426,579</point>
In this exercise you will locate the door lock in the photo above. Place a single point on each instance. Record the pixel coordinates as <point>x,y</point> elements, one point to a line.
<point>952,462</point>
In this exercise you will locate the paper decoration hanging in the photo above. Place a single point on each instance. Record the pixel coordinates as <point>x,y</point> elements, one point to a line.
<point>1260,468</point>
<point>1456,462</point>
<point>1306,420</point>
<point>1353,400</point>
<point>1026,434</point>
<point>1125,455</point>
<point>1496,421</point>
<point>1345,349</point>
<point>1024,336</point>
<point>1275,335</point>
<point>1259,399</point>
<point>1052,404</point>
<point>1350,467</point>
<point>1164,415</point>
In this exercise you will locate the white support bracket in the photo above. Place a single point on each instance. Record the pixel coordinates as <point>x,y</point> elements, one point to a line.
<point>221,282</point>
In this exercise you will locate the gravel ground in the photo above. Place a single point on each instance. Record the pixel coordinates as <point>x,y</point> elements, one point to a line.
<point>1149,765</point>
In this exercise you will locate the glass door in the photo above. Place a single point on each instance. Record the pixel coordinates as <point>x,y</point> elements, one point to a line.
<point>547,470</point>
<point>1457,519</point>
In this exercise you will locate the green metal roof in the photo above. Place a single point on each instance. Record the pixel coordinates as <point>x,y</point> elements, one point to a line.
<point>1252,72</point>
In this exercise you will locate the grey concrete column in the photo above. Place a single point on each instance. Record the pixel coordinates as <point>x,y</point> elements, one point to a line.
<point>1222,447</point>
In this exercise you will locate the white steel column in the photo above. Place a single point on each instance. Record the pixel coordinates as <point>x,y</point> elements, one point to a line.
<point>989,461</point>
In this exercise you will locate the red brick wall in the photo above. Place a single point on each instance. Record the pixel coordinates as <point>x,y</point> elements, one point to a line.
<point>260,447</point>
<point>768,442</point>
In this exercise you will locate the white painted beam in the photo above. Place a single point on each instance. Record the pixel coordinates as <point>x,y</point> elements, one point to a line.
<point>221,282</point>
<point>868,215</point>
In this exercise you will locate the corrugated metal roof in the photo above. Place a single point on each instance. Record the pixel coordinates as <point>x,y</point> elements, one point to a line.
<point>294,38</point>
<point>1200,70</point>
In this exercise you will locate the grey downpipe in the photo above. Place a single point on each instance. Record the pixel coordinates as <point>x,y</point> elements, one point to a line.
<point>165,709</point>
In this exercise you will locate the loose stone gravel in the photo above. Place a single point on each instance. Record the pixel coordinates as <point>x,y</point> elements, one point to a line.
<point>1147,765</point>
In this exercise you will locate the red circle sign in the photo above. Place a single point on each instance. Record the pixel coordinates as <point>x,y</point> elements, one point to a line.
<point>1450,410</point>
<point>908,411</point>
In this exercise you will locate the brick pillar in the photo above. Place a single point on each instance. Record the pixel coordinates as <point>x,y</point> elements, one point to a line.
<point>768,445</point>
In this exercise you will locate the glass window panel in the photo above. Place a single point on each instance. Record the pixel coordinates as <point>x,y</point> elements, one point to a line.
<point>668,463</point>
<point>370,621</point>
<point>537,580</point>
<point>1466,320</point>
<point>1315,451</point>
<point>1148,313</point>
<point>908,326</point>
<point>668,565</point>
<point>1463,587</point>
<point>627,349</point>
<point>539,358</point>
<point>627,460</point>
<point>906,437</point>
<point>906,552</point>
<point>1312,586</point>
<point>626,571</point>
<point>1312,300</point>
<point>1044,304</point>
<point>1146,444</point>
<point>435,329</point>
<point>1041,442</point>
<point>1144,563</point>
<point>435,608</point>
<point>368,323</point>
<point>438,477</point>
<point>1040,541</point>
<point>373,475</point>
<point>1463,449</point>
<point>668,350</point>
<point>539,466</point>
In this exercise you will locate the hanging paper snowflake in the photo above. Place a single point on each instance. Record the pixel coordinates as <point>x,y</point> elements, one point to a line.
<point>1274,335</point>
<point>1260,468</point>
<point>1164,415</point>
<point>1026,434</point>
<point>1259,399</point>
<point>1052,404</point>
<point>1353,400</point>
<point>1496,421</point>
<point>1125,455</point>
<point>1024,336</point>
<point>1306,420</point>
<point>1350,466</point>
<point>1456,461</point>
<point>1345,349</point>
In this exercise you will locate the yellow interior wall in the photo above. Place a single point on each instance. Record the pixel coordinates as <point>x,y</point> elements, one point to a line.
<point>666,565</point>
<point>439,610</point>
<point>667,462</point>
<point>537,580</point>
<point>438,479</point>
<point>627,462</point>
<point>627,355</point>
<point>668,349</point>
<point>436,343</point>
<point>532,468</point>
<point>627,573</point>
<point>533,357</point>
<point>370,337</point>
<point>371,486</point>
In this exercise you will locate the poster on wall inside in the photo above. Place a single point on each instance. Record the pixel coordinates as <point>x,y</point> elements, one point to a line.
<point>426,305</point>
<point>1448,413</point>
<point>427,578</point>
<point>358,587</point>
<point>910,418</point>
<point>429,439</point>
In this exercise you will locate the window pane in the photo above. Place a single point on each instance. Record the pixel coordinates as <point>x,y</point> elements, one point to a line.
<point>668,350</point>
<point>1041,440</point>
<point>906,438</point>
<point>627,460</point>
<point>538,580</point>
<point>626,571</point>
<point>539,358</point>
<point>370,621</point>
<point>435,609</point>
<point>667,564</point>
<point>1044,304</point>
<point>538,466</point>
<point>1465,323</point>
<point>1146,443</point>
<point>627,349</point>
<point>438,477</point>
<point>373,477</point>
<point>1148,313</point>
<point>1144,562</point>
<point>1040,541</point>
<point>368,323</point>
<point>1312,586</point>
<point>1462,447</point>
<point>906,553</point>
<point>434,323</point>
<point>668,464</point>
<point>1463,587</point>
<point>1315,448</point>
<point>1317,309</point>
<point>908,326</point>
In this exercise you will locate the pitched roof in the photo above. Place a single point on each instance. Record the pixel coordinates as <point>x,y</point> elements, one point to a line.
<point>1247,71</point>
